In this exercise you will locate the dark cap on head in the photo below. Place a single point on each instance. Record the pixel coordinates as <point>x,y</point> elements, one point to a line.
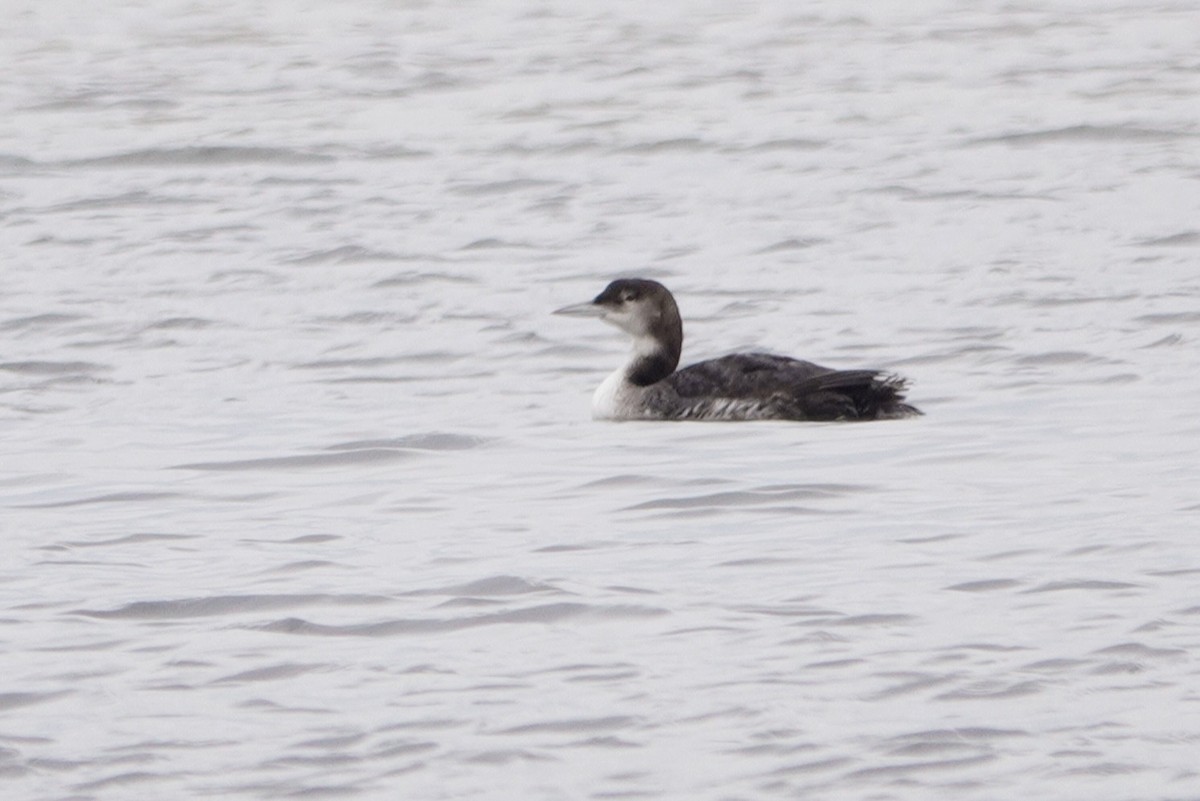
<point>630,289</point>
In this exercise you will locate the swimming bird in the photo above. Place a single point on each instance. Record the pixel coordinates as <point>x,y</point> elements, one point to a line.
<point>742,386</point>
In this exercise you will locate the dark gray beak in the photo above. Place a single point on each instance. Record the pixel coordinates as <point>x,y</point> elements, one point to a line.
<point>589,309</point>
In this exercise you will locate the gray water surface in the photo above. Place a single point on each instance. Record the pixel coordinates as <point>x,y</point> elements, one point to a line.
<point>299,491</point>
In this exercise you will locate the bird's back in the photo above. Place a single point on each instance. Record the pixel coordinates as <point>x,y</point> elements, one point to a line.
<point>743,375</point>
<point>778,387</point>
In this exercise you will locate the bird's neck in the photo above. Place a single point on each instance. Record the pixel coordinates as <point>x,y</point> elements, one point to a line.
<point>651,360</point>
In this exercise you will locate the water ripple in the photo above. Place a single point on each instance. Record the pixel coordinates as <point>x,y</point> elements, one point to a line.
<point>543,613</point>
<point>199,156</point>
<point>341,458</point>
<point>224,605</point>
<point>1086,133</point>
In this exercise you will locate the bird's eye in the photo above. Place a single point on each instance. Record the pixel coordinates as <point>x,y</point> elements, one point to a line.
<point>628,296</point>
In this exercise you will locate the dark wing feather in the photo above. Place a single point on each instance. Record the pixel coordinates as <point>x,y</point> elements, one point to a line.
<point>794,389</point>
<point>744,375</point>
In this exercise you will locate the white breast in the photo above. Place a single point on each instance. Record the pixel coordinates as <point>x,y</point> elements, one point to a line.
<point>610,398</point>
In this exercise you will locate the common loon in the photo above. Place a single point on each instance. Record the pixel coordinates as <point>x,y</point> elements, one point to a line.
<point>743,386</point>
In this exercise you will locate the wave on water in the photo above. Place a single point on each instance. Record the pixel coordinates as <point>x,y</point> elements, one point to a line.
<point>199,156</point>
<point>1086,133</point>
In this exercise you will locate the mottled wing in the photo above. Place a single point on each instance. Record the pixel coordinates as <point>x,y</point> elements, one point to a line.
<point>745,375</point>
<point>751,386</point>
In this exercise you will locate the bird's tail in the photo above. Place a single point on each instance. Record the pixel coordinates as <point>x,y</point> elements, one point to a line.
<point>874,394</point>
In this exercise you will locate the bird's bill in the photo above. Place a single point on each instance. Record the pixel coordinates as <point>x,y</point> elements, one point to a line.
<point>589,309</point>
